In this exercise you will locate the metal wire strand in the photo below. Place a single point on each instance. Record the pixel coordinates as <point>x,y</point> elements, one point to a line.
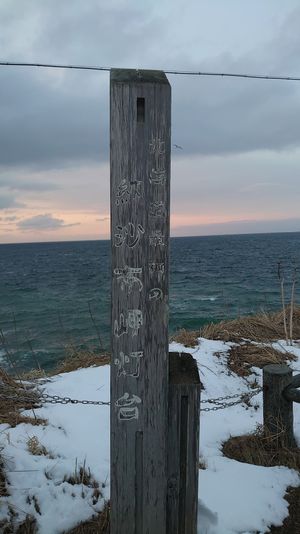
<point>167,71</point>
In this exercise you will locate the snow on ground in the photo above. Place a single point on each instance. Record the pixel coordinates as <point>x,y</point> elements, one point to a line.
<point>76,435</point>
<point>234,497</point>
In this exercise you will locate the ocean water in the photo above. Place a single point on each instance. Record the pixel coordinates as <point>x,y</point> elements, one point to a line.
<point>55,294</point>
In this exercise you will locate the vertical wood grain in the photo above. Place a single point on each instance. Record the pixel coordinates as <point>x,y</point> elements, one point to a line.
<point>278,411</point>
<point>140,118</point>
<point>183,444</point>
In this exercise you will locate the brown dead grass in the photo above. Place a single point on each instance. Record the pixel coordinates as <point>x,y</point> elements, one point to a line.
<point>27,526</point>
<point>263,327</point>
<point>33,374</point>
<point>99,524</point>
<point>260,328</point>
<point>291,524</point>
<point>242,357</point>
<point>10,414</point>
<point>261,449</point>
<point>202,464</point>
<point>10,408</point>
<point>3,485</point>
<point>36,448</point>
<point>77,359</point>
<point>82,476</point>
<point>14,418</point>
<point>188,338</point>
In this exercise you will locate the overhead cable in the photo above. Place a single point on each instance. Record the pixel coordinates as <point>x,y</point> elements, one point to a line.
<point>172,72</point>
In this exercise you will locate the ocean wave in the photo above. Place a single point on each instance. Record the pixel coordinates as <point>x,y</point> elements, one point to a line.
<point>205,298</point>
<point>2,356</point>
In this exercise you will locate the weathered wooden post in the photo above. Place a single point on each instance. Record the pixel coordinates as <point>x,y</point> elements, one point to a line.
<point>278,409</point>
<point>183,444</point>
<point>140,197</point>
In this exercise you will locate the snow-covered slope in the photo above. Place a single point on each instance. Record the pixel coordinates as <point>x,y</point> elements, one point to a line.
<point>234,497</point>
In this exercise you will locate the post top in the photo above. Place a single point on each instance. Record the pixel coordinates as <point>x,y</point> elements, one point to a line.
<point>138,76</point>
<point>183,369</point>
<point>277,369</point>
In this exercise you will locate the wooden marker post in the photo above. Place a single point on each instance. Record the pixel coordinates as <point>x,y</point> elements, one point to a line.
<point>278,407</point>
<point>183,444</point>
<point>140,118</point>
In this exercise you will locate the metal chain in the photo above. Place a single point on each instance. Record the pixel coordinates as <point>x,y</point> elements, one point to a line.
<point>56,399</point>
<point>219,405</point>
<point>215,401</point>
<point>50,399</point>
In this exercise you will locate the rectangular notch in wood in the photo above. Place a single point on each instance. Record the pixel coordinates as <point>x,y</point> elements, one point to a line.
<point>139,482</point>
<point>184,414</point>
<point>140,109</point>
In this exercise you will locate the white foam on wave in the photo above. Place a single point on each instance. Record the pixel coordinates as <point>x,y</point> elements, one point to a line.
<point>205,298</point>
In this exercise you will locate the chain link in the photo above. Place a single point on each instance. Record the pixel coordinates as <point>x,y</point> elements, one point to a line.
<point>219,405</point>
<point>49,399</point>
<point>215,401</point>
<point>218,402</point>
<point>55,399</point>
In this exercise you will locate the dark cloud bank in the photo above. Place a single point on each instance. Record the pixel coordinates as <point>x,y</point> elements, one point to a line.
<point>49,121</point>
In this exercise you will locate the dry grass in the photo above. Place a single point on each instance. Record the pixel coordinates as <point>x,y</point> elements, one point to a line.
<point>36,448</point>
<point>3,485</point>
<point>10,414</point>
<point>78,359</point>
<point>27,526</point>
<point>261,449</point>
<point>291,524</point>
<point>7,380</point>
<point>82,476</point>
<point>260,328</point>
<point>263,327</point>
<point>202,464</point>
<point>188,338</point>
<point>10,408</point>
<point>242,357</point>
<point>34,500</point>
<point>99,524</point>
<point>33,374</point>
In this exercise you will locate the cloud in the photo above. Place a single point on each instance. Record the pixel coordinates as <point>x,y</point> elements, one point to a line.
<point>101,219</point>
<point>10,218</point>
<point>43,222</point>
<point>57,118</point>
<point>45,127</point>
<point>16,183</point>
<point>8,201</point>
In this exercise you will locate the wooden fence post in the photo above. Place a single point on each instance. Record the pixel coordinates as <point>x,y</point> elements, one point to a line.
<point>278,410</point>
<point>140,206</point>
<point>183,444</point>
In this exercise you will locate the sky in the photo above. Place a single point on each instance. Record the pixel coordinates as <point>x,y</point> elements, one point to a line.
<point>238,170</point>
